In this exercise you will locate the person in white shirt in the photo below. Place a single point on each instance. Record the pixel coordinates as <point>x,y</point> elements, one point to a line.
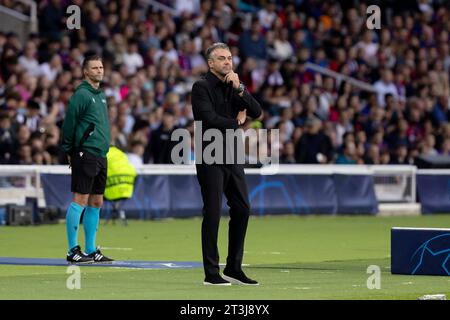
<point>187,6</point>
<point>283,48</point>
<point>168,51</point>
<point>113,90</point>
<point>28,60</point>
<point>51,69</point>
<point>342,126</point>
<point>384,86</point>
<point>369,47</point>
<point>326,98</point>
<point>136,154</point>
<point>132,59</point>
<point>267,15</point>
<point>273,75</point>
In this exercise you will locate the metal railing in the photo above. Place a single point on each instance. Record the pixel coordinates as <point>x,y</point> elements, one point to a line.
<point>341,77</point>
<point>18,22</point>
<point>33,14</point>
<point>159,6</point>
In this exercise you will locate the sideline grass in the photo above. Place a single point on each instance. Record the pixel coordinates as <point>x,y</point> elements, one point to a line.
<point>293,257</point>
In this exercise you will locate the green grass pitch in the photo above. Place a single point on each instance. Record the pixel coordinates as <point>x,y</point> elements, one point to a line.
<point>293,257</point>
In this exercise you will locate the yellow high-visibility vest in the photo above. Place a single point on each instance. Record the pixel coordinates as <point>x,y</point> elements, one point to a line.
<point>121,175</point>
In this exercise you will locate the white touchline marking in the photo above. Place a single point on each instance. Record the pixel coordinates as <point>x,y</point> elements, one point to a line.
<point>170,265</point>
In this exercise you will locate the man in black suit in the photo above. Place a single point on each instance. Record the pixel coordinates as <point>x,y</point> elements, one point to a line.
<point>220,101</point>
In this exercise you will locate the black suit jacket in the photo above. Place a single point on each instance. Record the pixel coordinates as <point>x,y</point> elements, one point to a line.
<point>216,104</point>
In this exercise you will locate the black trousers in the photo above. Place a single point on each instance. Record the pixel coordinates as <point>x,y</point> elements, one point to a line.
<point>216,180</point>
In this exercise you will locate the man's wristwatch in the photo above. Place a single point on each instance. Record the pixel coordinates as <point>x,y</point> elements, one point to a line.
<point>241,88</point>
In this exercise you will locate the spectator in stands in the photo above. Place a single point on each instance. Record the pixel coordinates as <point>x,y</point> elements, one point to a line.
<point>343,125</point>
<point>115,85</point>
<point>252,43</point>
<point>132,59</point>
<point>136,154</point>
<point>267,15</point>
<point>400,155</point>
<point>372,155</point>
<point>23,135</point>
<point>24,155</point>
<point>399,136</point>
<point>160,146</point>
<point>368,46</point>
<point>348,156</point>
<point>51,69</point>
<point>428,145</point>
<point>51,19</point>
<point>384,86</point>
<point>288,153</point>
<point>282,46</point>
<point>445,149</point>
<point>149,56</point>
<point>314,146</point>
<point>441,111</point>
<point>385,157</point>
<point>28,61</point>
<point>31,116</point>
<point>6,138</point>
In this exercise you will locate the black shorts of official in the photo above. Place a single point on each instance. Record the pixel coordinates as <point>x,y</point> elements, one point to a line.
<point>88,173</point>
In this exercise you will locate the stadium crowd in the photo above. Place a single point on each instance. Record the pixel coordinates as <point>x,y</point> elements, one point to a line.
<point>152,57</point>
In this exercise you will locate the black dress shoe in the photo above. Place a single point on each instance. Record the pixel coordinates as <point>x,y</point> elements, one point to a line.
<point>239,277</point>
<point>216,280</point>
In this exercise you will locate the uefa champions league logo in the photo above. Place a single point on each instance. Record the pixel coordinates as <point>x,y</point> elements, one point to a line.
<point>427,252</point>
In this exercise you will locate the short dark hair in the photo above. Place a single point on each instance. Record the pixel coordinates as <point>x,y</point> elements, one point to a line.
<point>135,143</point>
<point>214,46</point>
<point>93,57</point>
<point>33,104</point>
<point>13,95</point>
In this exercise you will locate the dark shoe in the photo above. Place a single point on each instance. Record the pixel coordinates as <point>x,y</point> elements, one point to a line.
<point>216,280</point>
<point>76,256</point>
<point>239,278</point>
<point>97,256</point>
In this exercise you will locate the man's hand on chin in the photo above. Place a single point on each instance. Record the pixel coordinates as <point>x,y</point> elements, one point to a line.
<point>232,77</point>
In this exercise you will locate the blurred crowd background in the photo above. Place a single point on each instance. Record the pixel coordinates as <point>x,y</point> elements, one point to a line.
<point>152,57</point>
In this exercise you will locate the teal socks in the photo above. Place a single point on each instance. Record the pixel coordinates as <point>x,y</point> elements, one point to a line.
<point>72,223</point>
<point>90,223</point>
